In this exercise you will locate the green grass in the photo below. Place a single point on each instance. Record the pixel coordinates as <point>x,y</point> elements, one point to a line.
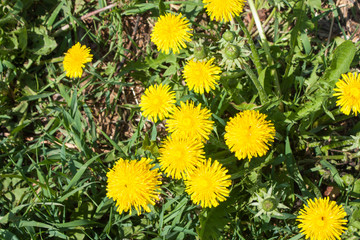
<point>59,136</point>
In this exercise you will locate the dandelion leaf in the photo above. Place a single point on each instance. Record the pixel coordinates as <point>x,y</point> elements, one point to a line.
<point>342,58</point>
<point>212,221</point>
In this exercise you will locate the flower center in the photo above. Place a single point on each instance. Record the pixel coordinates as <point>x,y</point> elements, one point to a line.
<point>248,131</point>
<point>156,101</point>
<point>355,92</point>
<point>321,221</point>
<point>187,122</point>
<point>269,204</point>
<point>179,159</point>
<point>128,185</point>
<point>204,183</point>
<point>203,73</point>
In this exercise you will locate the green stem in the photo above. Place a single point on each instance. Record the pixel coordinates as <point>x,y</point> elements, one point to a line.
<point>52,60</point>
<point>262,94</point>
<point>266,21</point>
<point>293,41</point>
<point>264,41</point>
<point>255,54</point>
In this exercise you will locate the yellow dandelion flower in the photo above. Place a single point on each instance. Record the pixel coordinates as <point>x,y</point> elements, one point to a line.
<point>171,32</point>
<point>223,10</point>
<point>179,157</point>
<point>207,185</point>
<point>157,102</point>
<point>348,93</point>
<point>188,121</point>
<point>75,59</point>
<point>322,220</point>
<point>201,76</point>
<point>248,134</point>
<point>133,184</point>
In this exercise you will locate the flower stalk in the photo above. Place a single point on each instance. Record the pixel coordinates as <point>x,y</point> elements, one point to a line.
<point>265,43</point>
<point>262,94</point>
<point>255,54</point>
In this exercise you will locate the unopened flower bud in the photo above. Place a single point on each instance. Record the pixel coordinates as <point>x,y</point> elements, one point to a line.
<point>269,204</point>
<point>228,36</point>
<point>232,52</point>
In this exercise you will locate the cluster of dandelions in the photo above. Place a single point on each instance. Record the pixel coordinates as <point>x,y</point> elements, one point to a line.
<point>135,184</point>
<point>248,134</point>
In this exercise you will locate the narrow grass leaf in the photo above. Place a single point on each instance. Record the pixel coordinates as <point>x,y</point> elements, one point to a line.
<point>35,97</point>
<point>334,173</point>
<point>80,172</point>
<point>297,237</point>
<point>76,223</point>
<point>293,169</point>
<point>64,197</point>
<point>54,15</point>
<point>121,149</point>
<point>24,223</point>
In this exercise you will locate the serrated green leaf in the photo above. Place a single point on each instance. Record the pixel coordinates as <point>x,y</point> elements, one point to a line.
<point>212,221</point>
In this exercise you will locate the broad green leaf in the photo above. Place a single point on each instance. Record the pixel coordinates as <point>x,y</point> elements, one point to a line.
<point>357,187</point>
<point>212,221</point>
<point>5,234</point>
<point>314,3</point>
<point>341,60</point>
<point>40,43</point>
<point>293,168</point>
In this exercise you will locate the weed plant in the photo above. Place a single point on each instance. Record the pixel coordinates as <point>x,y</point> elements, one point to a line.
<point>60,136</point>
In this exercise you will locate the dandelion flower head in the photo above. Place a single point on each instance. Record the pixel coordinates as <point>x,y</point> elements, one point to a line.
<point>180,156</point>
<point>201,75</point>
<point>157,102</point>
<point>223,10</point>
<point>190,121</point>
<point>133,184</point>
<point>75,59</point>
<point>208,184</point>
<point>248,134</point>
<point>171,32</point>
<point>322,220</point>
<point>348,93</point>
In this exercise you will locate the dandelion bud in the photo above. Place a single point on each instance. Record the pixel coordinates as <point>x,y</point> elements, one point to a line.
<point>269,204</point>
<point>232,51</point>
<point>228,36</point>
